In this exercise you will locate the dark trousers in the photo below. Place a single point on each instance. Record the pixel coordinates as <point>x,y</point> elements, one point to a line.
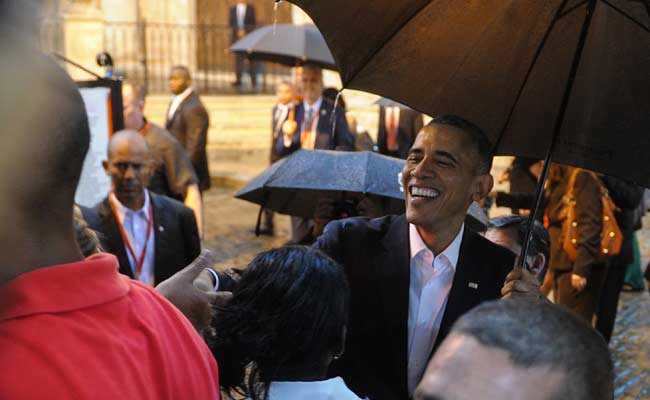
<point>267,219</point>
<point>584,302</point>
<point>239,68</point>
<point>608,304</point>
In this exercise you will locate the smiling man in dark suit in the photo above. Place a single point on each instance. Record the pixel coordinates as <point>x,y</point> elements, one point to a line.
<point>153,236</point>
<point>412,276</point>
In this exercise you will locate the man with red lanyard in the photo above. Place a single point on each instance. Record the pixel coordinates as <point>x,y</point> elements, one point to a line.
<point>314,130</point>
<point>152,236</point>
<point>172,173</point>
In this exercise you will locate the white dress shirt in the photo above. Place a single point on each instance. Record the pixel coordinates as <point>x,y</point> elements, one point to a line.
<point>330,389</point>
<point>305,130</point>
<point>135,226</point>
<point>177,100</point>
<point>241,14</point>
<point>430,282</point>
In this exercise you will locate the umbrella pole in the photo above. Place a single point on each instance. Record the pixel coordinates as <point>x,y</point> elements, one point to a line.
<point>556,130</point>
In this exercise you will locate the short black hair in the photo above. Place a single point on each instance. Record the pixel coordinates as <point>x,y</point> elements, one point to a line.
<point>540,241</point>
<point>476,135</point>
<point>539,333</point>
<point>183,68</point>
<point>287,313</point>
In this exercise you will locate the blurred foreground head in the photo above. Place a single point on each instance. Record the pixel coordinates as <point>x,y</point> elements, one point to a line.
<point>519,349</point>
<point>44,141</point>
<point>286,321</point>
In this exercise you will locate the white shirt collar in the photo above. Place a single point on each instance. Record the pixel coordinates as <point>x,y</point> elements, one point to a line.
<point>183,95</point>
<point>122,210</point>
<point>315,106</point>
<point>450,253</point>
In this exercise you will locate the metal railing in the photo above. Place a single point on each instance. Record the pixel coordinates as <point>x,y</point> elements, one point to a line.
<point>145,52</point>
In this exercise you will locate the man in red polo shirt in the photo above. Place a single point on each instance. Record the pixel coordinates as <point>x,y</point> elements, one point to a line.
<point>72,328</point>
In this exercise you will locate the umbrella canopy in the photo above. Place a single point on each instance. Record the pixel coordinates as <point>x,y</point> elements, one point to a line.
<point>529,72</point>
<point>286,44</point>
<point>294,184</point>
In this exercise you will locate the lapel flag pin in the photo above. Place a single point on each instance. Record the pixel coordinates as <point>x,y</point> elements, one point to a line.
<point>473,285</point>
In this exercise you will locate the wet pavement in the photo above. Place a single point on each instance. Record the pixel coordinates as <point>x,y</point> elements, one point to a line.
<point>229,226</point>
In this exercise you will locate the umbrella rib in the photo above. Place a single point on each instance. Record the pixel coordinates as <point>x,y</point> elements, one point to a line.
<point>629,17</point>
<point>570,9</point>
<point>370,55</point>
<point>520,92</point>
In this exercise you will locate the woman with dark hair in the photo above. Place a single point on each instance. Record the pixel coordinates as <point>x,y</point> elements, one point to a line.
<point>283,327</point>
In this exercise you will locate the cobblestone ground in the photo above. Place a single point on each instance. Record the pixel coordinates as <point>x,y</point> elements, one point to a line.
<point>229,233</point>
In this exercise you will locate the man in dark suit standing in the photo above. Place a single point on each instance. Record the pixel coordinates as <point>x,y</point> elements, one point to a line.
<point>313,129</point>
<point>412,276</point>
<point>242,21</point>
<point>188,122</point>
<point>398,127</point>
<point>152,236</point>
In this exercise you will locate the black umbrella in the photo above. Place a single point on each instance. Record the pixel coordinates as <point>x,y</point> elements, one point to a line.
<point>286,44</point>
<point>384,102</point>
<point>295,184</point>
<point>556,79</point>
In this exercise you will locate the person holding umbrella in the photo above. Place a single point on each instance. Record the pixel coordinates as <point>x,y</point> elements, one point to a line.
<point>318,125</point>
<point>411,276</point>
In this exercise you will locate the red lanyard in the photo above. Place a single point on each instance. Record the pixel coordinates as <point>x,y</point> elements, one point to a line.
<point>139,260</point>
<point>145,128</point>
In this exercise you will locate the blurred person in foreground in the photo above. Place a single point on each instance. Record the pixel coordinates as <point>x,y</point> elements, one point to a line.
<point>509,231</point>
<point>518,349</point>
<point>172,171</point>
<point>152,236</point>
<point>72,327</point>
<point>188,122</point>
<point>286,322</point>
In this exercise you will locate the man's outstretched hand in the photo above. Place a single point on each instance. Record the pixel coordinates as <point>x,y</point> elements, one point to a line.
<point>194,301</point>
<point>521,283</point>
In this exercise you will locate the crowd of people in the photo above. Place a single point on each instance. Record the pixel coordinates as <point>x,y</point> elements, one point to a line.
<point>120,301</point>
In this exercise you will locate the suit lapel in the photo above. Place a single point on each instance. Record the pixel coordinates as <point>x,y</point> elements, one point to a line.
<point>393,279</point>
<point>114,237</point>
<point>178,109</point>
<point>161,237</point>
<point>465,291</point>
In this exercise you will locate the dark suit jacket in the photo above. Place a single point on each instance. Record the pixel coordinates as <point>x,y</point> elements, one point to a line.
<point>176,237</point>
<point>376,259</point>
<point>173,171</point>
<point>409,124</point>
<point>249,20</point>
<point>342,139</point>
<point>189,125</point>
